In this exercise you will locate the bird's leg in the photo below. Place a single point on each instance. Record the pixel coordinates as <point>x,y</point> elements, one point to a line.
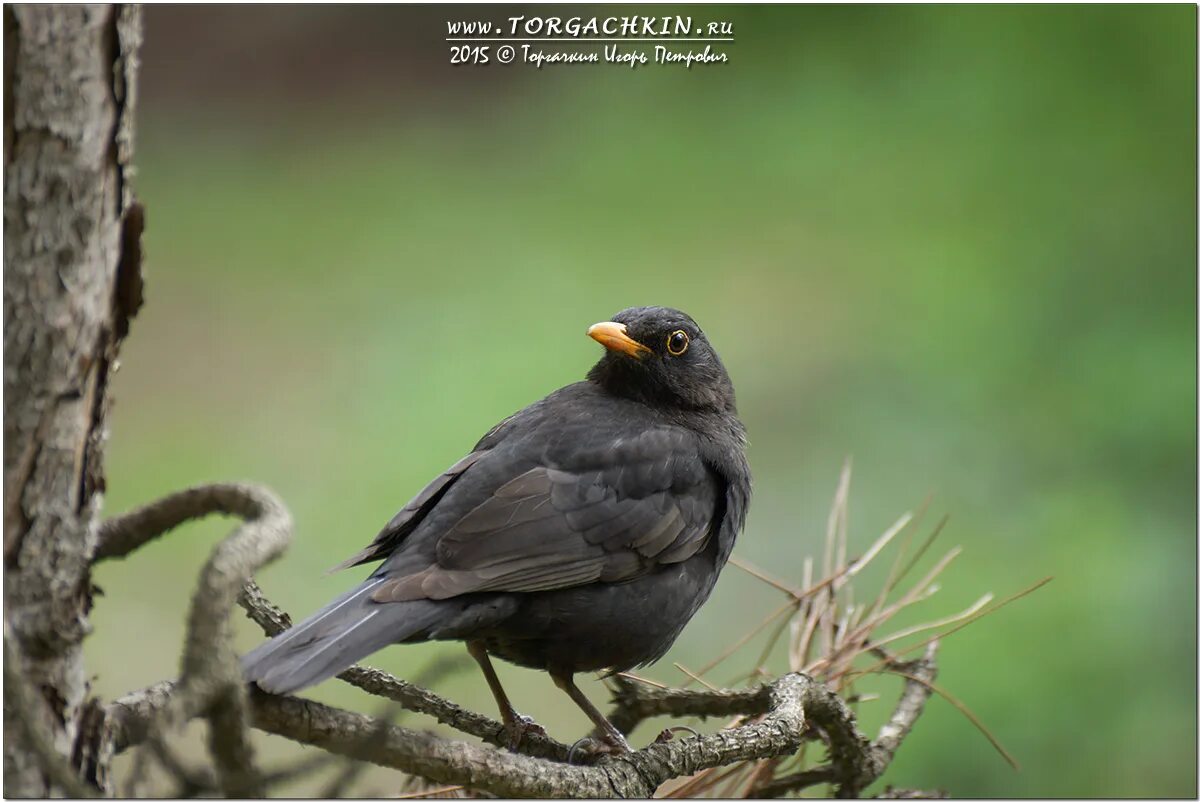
<point>515,725</point>
<point>610,733</point>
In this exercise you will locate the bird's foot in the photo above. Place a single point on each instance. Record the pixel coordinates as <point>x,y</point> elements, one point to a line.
<point>669,733</point>
<point>616,743</point>
<point>589,748</point>
<point>585,746</point>
<point>606,741</point>
<point>517,728</point>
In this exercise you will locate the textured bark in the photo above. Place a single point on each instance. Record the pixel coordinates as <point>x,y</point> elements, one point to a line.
<point>71,283</point>
<point>785,706</point>
<point>771,720</point>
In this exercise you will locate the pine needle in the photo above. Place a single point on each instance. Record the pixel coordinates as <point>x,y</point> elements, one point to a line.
<point>970,620</point>
<point>966,711</point>
<point>941,622</point>
<point>762,575</point>
<point>937,530</point>
<point>445,789</point>
<point>643,680</point>
<point>742,641</point>
<point>696,677</point>
<point>829,632</point>
<point>876,547</point>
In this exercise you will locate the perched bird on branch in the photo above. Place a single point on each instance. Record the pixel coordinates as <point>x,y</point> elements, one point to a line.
<point>580,534</point>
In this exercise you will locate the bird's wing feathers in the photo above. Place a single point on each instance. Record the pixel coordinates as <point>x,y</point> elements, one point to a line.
<point>586,515</point>
<point>405,521</point>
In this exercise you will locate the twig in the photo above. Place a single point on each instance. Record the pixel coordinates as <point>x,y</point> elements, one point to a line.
<point>855,770</point>
<point>770,723</point>
<point>785,702</point>
<point>793,782</point>
<point>211,682</point>
<point>409,696</point>
<point>336,787</point>
<point>920,675</point>
<point>302,767</point>
<point>190,782</point>
<point>633,703</point>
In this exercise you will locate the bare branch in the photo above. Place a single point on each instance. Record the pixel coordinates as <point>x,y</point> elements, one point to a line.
<point>854,764</point>
<point>506,774</point>
<point>119,536</point>
<point>211,681</point>
<point>336,788</point>
<point>850,752</point>
<point>408,695</point>
<point>769,721</point>
<point>779,732</point>
<point>912,702</point>
<point>634,702</point>
<point>190,781</point>
<point>303,767</point>
<point>129,718</point>
<point>793,782</point>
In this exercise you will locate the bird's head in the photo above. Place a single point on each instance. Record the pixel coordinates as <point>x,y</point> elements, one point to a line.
<point>660,356</point>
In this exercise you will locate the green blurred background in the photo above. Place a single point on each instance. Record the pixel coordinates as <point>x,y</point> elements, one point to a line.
<point>955,243</point>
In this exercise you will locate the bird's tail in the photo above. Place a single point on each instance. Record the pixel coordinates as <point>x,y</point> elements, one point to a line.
<point>334,638</point>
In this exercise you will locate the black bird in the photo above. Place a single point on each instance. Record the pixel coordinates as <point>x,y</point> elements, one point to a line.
<point>580,534</point>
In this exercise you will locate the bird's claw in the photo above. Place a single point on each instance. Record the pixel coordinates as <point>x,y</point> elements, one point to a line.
<point>616,743</point>
<point>584,744</point>
<point>669,733</point>
<point>516,730</point>
<point>592,747</point>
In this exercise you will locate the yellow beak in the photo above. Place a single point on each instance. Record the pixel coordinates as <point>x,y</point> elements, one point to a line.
<point>613,337</point>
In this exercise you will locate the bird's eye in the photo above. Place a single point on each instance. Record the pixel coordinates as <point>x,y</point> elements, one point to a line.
<point>677,342</point>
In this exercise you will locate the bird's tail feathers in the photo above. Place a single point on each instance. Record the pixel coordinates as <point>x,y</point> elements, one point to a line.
<point>334,638</point>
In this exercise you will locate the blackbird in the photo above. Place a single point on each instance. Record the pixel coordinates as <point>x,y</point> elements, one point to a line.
<point>580,534</point>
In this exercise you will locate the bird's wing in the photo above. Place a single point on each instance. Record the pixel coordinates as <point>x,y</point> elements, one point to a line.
<point>405,521</point>
<point>604,514</point>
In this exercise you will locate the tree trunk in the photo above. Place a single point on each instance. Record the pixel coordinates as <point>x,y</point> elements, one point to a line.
<point>71,283</point>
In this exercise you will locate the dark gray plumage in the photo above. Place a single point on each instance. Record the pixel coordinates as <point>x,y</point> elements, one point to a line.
<point>580,534</point>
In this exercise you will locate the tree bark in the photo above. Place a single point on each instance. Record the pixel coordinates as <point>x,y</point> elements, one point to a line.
<point>71,283</point>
